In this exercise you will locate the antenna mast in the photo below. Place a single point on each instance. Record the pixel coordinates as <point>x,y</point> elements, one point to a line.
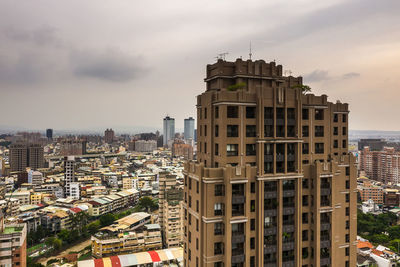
<point>250,53</point>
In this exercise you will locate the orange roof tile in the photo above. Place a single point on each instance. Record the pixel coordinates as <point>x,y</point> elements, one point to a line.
<point>364,244</point>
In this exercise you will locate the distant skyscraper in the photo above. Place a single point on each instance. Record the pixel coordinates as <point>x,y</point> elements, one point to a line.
<point>36,156</point>
<point>109,136</point>
<point>189,128</point>
<point>168,130</point>
<point>49,134</point>
<point>69,174</point>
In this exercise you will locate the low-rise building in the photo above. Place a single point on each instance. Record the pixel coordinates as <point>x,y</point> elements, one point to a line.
<point>104,244</point>
<point>22,196</point>
<point>369,190</point>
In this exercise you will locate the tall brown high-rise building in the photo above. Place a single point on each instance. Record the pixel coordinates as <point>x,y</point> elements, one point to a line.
<point>23,155</point>
<point>274,184</point>
<point>109,136</point>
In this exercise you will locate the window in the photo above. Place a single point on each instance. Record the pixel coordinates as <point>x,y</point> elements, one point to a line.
<point>305,217</point>
<point>319,114</point>
<point>252,243</point>
<point>335,143</point>
<point>232,150</point>
<point>347,224</point>
<point>205,130</point>
<point>205,147</point>
<point>205,113</point>
<point>347,251</point>
<point>304,253</point>
<point>344,118</point>
<point>305,131</point>
<point>216,130</point>
<point>216,110</point>
<point>347,211</point>
<point>197,223</point>
<point>218,264</point>
<point>252,224</point>
<point>335,117</point>
<point>218,209</point>
<point>305,183</point>
<point>219,190</point>
<point>335,131</point>
<point>232,111</point>
<point>319,131</point>
<point>197,206</point>
<point>304,114</point>
<point>218,228</point>
<point>250,149</point>
<point>344,131</point>
<point>251,131</point>
<point>252,206</point>
<point>347,198</point>
<point>347,184</point>
<point>190,201</point>
<point>218,248</point>
<point>344,143</point>
<point>190,183</point>
<point>232,130</point>
<point>250,112</point>
<point>304,235</point>
<point>319,148</point>
<point>305,201</point>
<point>197,187</point>
<point>347,171</point>
<point>216,149</point>
<point>252,187</point>
<point>305,148</point>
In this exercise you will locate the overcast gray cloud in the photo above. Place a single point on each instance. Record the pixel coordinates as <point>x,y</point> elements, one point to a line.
<point>111,65</point>
<point>147,64</point>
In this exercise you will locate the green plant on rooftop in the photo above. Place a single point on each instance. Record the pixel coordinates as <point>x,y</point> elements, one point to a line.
<point>304,88</point>
<point>237,86</point>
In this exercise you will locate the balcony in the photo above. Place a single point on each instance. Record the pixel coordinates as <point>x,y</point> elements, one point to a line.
<point>325,261</point>
<point>280,157</point>
<point>325,191</point>
<point>238,199</point>
<point>268,158</point>
<point>238,237</point>
<point>290,157</point>
<point>269,212</point>
<point>288,193</point>
<point>269,249</point>
<point>291,122</point>
<point>287,246</point>
<point>325,243</point>
<point>288,211</point>
<point>238,256</point>
<point>270,194</point>
<point>270,231</point>
<point>288,228</point>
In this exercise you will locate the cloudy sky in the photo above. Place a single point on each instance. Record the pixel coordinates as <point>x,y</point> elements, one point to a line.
<point>125,64</point>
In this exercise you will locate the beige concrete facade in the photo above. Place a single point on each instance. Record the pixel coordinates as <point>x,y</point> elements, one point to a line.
<point>274,184</point>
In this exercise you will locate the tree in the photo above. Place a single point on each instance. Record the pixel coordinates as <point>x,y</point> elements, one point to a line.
<point>93,227</point>
<point>107,219</point>
<point>57,244</point>
<point>304,88</point>
<point>146,204</point>
<point>64,235</point>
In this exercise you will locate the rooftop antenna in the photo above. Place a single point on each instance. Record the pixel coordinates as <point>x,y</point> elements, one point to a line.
<point>222,55</point>
<point>288,72</point>
<point>250,53</point>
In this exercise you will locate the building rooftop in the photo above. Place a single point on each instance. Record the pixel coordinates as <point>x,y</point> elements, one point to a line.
<point>11,229</point>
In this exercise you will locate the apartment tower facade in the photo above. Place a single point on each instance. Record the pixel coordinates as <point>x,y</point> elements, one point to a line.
<point>273,184</point>
<point>168,130</point>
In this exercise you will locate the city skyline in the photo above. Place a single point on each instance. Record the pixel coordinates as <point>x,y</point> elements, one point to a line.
<point>48,63</point>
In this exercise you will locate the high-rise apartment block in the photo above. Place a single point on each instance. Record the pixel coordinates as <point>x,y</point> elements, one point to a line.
<point>23,155</point>
<point>168,130</point>
<point>189,128</point>
<point>383,166</point>
<point>109,136</point>
<point>170,214</point>
<point>274,184</point>
<point>69,174</point>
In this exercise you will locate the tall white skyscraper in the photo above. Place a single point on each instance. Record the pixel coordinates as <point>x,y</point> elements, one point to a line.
<point>168,130</point>
<point>69,174</point>
<point>189,128</point>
